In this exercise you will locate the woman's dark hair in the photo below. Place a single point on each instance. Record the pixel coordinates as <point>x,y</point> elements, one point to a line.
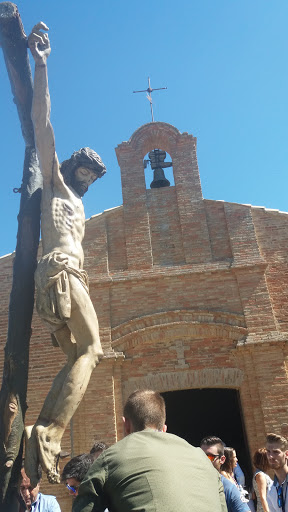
<point>260,460</point>
<point>228,464</point>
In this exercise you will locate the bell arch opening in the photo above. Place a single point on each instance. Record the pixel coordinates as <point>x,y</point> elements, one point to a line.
<point>158,168</point>
<point>196,413</point>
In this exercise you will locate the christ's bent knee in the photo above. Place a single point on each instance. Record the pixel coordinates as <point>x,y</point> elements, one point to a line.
<point>94,353</point>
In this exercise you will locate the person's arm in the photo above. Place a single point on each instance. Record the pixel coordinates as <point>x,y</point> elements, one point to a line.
<point>262,488</point>
<point>221,495</point>
<point>236,504</point>
<point>239,475</point>
<point>39,45</point>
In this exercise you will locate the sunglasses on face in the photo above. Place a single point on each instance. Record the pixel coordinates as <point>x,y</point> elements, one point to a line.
<point>212,457</point>
<point>72,488</point>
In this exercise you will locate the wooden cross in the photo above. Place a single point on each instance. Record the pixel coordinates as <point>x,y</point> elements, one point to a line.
<point>13,405</point>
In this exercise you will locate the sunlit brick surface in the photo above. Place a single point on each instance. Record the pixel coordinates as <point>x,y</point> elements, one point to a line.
<point>189,293</point>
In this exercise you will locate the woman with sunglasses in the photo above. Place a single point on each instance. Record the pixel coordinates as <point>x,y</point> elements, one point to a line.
<point>261,481</point>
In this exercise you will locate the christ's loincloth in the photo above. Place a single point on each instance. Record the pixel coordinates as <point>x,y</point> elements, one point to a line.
<point>53,301</point>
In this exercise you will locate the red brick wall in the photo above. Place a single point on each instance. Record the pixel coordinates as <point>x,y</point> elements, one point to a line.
<point>189,293</point>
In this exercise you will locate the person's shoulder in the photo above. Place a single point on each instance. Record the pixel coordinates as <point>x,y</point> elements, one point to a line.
<point>225,475</point>
<point>170,441</point>
<point>233,497</point>
<point>226,483</point>
<point>151,438</point>
<point>259,476</point>
<point>172,438</point>
<point>48,497</point>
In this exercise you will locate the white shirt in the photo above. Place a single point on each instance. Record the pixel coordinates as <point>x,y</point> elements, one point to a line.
<point>272,497</point>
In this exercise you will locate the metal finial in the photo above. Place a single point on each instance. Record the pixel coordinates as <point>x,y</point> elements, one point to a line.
<point>149,96</point>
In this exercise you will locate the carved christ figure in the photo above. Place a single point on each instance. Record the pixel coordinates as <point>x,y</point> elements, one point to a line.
<point>63,300</point>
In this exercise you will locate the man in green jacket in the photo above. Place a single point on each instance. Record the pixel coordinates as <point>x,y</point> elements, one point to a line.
<point>150,470</point>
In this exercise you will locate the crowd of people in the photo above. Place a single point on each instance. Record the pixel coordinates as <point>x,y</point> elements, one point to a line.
<point>152,470</point>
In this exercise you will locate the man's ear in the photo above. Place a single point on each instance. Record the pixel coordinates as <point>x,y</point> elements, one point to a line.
<point>164,429</point>
<point>222,459</point>
<point>127,426</point>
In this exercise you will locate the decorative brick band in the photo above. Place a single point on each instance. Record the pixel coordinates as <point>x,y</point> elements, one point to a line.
<point>190,379</point>
<point>178,324</point>
<point>152,135</point>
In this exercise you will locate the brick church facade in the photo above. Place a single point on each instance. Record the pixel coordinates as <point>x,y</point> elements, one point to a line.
<point>191,294</point>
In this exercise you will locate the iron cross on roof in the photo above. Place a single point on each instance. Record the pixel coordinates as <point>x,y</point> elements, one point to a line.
<point>149,95</point>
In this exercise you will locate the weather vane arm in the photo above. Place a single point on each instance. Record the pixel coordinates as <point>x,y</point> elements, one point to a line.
<point>149,91</point>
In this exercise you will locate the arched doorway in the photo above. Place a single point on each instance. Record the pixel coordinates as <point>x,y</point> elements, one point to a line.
<point>196,413</point>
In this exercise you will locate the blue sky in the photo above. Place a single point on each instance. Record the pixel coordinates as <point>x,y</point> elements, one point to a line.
<point>224,63</point>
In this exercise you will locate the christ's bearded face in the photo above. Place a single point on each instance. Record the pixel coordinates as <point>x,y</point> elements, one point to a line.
<point>82,179</point>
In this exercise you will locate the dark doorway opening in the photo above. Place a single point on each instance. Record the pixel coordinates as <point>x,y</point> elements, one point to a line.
<point>196,413</point>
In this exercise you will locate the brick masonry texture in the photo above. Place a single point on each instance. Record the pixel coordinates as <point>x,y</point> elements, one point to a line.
<point>189,293</point>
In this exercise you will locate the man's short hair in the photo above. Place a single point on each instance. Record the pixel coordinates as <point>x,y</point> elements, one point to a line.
<point>98,446</point>
<point>85,157</point>
<point>275,438</point>
<point>213,440</point>
<point>145,408</point>
<point>77,467</point>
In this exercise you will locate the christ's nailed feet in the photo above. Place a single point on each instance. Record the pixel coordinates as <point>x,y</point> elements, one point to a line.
<point>49,452</point>
<point>41,447</point>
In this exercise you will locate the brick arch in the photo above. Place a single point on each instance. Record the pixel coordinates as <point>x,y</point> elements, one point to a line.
<point>229,378</point>
<point>179,324</point>
<point>155,135</point>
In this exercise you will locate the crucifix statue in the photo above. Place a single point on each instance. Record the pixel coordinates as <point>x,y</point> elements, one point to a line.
<point>62,295</point>
<point>62,285</point>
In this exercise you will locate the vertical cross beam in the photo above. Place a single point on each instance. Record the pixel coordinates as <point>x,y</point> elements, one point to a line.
<point>13,405</point>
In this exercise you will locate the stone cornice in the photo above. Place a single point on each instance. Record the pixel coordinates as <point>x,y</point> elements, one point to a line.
<point>177,270</point>
<point>263,337</point>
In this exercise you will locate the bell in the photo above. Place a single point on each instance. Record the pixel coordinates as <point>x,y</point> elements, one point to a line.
<point>159,180</point>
